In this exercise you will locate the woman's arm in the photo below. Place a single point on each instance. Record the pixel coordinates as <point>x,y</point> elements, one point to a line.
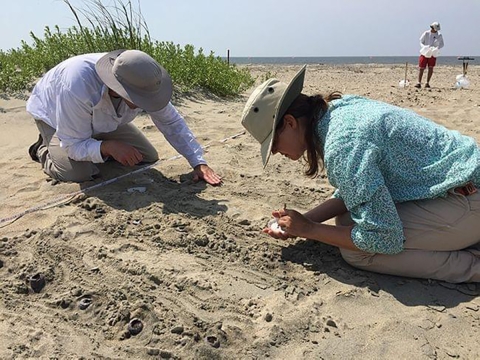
<point>339,236</point>
<point>326,210</point>
<point>296,224</point>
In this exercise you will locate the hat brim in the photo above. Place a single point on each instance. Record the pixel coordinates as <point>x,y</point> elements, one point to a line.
<point>146,100</point>
<point>294,88</point>
<point>266,148</point>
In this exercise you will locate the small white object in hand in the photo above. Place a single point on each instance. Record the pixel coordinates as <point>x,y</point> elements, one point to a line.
<point>273,224</point>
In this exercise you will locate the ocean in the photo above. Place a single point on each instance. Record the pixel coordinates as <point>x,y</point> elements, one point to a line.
<point>344,60</point>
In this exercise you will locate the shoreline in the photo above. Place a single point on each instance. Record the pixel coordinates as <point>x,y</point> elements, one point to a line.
<point>344,60</point>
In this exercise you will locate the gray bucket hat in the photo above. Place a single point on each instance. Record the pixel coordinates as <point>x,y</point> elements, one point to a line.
<point>267,106</point>
<point>435,25</point>
<point>137,77</point>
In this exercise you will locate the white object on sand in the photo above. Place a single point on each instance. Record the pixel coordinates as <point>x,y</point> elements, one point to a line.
<point>462,82</point>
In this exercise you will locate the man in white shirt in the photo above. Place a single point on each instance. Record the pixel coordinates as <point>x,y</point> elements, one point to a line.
<point>431,42</point>
<point>84,106</point>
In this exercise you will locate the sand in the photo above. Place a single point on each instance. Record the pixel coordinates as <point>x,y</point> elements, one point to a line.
<point>189,260</point>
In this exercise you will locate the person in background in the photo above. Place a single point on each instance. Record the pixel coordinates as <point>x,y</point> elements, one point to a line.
<point>431,42</point>
<point>406,201</point>
<point>84,106</point>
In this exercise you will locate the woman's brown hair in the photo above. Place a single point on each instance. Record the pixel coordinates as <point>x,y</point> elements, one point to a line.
<point>311,109</point>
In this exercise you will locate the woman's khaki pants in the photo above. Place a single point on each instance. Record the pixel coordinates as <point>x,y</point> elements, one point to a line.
<point>58,165</point>
<point>442,241</point>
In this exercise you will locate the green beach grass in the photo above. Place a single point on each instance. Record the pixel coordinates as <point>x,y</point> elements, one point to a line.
<point>118,26</point>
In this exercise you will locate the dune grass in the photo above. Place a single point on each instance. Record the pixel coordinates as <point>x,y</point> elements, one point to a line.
<point>121,25</point>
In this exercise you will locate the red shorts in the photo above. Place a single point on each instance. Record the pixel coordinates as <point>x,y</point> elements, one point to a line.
<point>423,62</point>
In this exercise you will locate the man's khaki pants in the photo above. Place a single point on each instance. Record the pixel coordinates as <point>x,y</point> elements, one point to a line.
<point>58,165</point>
<point>442,241</point>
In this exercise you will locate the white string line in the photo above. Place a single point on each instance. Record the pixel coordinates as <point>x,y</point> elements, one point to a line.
<point>63,198</point>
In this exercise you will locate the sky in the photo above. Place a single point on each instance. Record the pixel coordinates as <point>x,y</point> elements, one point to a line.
<point>252,28</point>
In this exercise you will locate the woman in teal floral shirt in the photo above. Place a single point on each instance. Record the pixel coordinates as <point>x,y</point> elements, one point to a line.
<point>406,200</point>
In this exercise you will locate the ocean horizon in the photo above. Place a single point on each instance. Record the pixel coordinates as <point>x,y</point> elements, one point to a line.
<point>345,60</point>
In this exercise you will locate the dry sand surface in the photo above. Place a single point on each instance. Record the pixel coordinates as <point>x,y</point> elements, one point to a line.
<point>189,260</point>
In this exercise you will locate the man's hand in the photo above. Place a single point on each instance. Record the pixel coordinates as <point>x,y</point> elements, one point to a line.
<point>203,171</point>
<point>125,154</point>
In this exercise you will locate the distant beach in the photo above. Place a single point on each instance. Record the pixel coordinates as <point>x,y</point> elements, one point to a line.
<point>346,60</point>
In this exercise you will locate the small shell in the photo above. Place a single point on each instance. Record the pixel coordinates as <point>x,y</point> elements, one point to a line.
<point>273,224</point>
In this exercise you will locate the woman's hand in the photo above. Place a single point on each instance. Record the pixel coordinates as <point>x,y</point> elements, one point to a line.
<point>203,171</point>
<point>276,231</point>
<point>292,224</point>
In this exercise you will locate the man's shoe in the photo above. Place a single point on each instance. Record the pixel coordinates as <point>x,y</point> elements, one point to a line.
<point>418,86</point>
<point>32,150</point>
<point>427,86</point>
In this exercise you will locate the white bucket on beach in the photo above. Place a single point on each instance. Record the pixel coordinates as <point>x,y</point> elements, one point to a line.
<point>462,82</point>
<point>403,83</point>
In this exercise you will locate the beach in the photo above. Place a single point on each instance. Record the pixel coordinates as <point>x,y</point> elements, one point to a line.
<point>189,261</point>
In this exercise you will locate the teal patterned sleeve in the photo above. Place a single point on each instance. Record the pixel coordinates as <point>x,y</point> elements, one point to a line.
<point>378,226</point>
<point>354,171</point>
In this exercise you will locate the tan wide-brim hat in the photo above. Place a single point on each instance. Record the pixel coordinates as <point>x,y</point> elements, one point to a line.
<point>136,77</point>
<point>267,106</point>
